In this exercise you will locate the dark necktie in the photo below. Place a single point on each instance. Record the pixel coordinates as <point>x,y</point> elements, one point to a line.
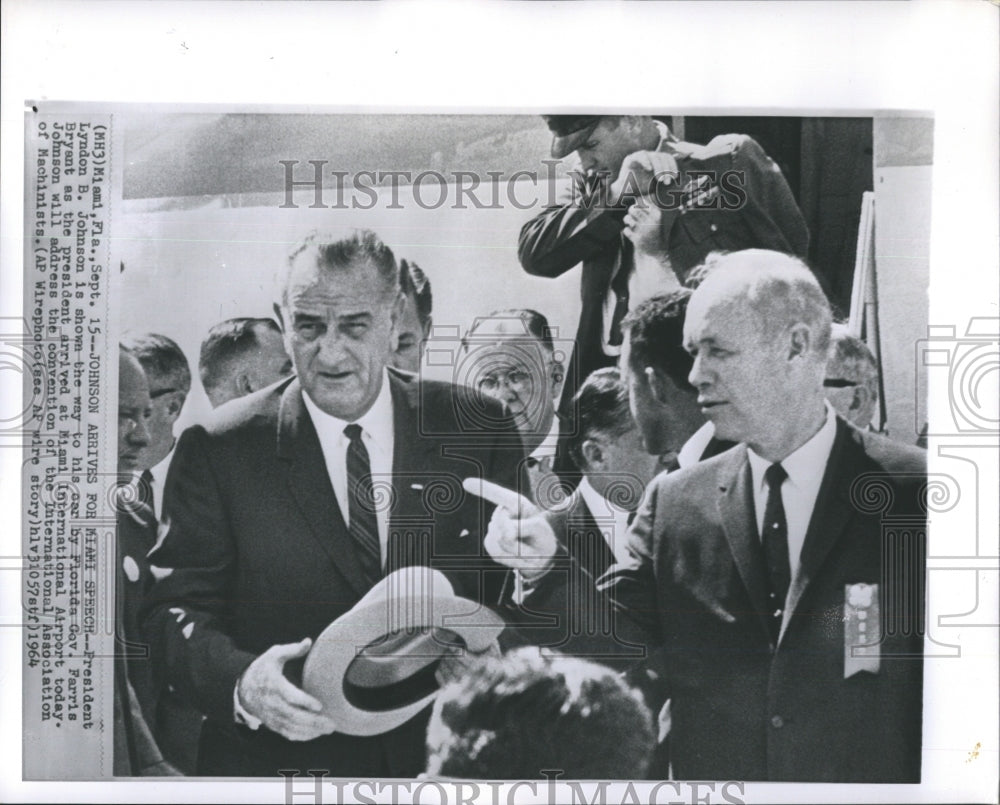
<point>776,546</point>
<point>361,506</point>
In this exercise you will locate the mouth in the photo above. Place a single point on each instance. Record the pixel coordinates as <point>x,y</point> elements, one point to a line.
<point>334,377</point>
<point>710,405</point>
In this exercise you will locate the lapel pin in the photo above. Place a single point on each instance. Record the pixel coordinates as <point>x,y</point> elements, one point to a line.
<point>464,532</point>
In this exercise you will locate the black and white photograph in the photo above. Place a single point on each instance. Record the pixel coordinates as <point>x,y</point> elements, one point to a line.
<point>617,450</point>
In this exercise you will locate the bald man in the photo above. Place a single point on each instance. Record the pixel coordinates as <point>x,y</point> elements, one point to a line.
<point>783,601</point>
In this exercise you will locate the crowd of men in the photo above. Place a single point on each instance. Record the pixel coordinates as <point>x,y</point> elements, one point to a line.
<point>672,522</point>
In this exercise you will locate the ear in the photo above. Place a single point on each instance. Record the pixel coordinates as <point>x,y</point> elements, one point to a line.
<point>799,341</point>
<point>558,374</point>
<point>657,381</point>
<point>593,454</point>
<point>426,328</point>
<point>243,384</point>
<point>859,399</point>
<point>175,404</point>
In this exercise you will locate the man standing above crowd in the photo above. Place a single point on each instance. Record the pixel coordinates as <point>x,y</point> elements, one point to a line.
<point>240,356</point>
<point>293,502</point>
<point>741,565</point>
<point>724,196</point>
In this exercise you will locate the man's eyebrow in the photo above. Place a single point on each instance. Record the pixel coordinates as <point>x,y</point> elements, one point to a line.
<point>300,315</point>
<point>356,316</point>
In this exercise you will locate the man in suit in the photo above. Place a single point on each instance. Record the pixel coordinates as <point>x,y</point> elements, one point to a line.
<point>289,505</point>
<point>727,195</point>
<point>511,357</point>
<point>417,317</point>
<point>851,381</point>
<point>135,750</point>
<point>169,378</point>
<point>781,580</point>
<point>608,449</point>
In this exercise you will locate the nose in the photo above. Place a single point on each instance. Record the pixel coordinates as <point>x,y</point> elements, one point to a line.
<point>139,437</point>
<point>330,351</point>
<point>698,376</point>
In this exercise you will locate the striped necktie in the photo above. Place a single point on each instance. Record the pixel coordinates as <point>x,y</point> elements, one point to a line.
<point>361,505</point>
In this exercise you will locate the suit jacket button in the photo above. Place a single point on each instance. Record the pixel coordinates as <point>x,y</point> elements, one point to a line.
<point>777,722</point>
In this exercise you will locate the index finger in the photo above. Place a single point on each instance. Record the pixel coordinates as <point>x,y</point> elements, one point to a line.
<point>516,504</point>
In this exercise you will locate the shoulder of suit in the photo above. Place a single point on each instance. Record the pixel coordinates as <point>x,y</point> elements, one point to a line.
<point>888,454</point>
<point>703,475</point>
<point>724,145</point>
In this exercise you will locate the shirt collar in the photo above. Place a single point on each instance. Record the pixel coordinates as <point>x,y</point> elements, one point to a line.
<point>806,460</point>
<point>376,422</point>
<point>694,447</point>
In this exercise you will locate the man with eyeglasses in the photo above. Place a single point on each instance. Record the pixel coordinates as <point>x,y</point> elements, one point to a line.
<point>135,749</point>
<point>511,358</point>
<point>851,382</point>
<point>169,379</point>
<point>176,724</point>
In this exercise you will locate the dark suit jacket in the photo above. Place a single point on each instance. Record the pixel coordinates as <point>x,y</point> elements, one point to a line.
<point>260,555</point>
<point>561,236</point>
<point>696,593</point>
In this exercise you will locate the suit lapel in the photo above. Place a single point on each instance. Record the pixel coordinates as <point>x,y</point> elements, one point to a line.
<point>831,515</point>
<point>309,484</point>
<point>413,467</point>
<point>736,510</point>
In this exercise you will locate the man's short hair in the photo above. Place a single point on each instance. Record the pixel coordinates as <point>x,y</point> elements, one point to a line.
<point>535,326</point>
<point>655,330</point>
<point>851,359</point>
<point>412,280</point>
<point>601,406</point>
<point>780,289</point>
<point>514,716</point>
<point>227,342</point>
<point>162,359</point>
<point>337,254</point>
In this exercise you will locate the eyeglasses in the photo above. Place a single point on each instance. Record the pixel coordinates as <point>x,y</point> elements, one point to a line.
<point>515,378</point>
<point>838,383</point>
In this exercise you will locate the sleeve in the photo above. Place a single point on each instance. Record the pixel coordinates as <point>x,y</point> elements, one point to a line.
<point>563,235</point>
<point>187,613</point>
<point>613,620</point>
<point>772,210</point>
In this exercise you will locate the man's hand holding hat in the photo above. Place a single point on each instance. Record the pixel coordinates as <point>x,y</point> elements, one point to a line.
<point>267,695</point>
<point>638,173</point>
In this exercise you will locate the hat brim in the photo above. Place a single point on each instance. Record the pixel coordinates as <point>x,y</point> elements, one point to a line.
<point>567,144</point>
<point>374,668</point>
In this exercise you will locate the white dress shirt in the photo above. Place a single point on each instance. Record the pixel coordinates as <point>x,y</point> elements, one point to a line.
<point>805,468</point>
<point>603,511</point>
<point>691,453</point>
<point>158,481</point>
<point>378,436</point>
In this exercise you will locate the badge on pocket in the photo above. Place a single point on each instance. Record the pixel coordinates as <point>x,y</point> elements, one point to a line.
<point>862,629</point>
